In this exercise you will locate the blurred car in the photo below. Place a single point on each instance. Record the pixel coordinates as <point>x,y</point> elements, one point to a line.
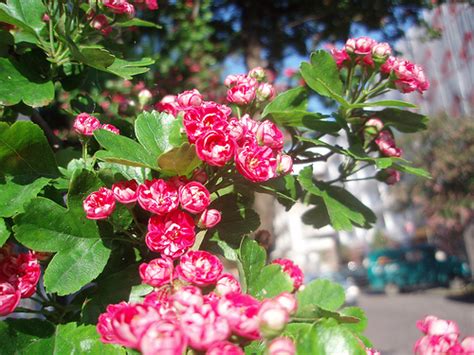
<point>395,270</point>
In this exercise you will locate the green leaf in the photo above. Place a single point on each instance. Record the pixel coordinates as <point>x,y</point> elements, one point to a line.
<point>358,313</point>
<point>403,121</point>
<point>127,69</point>
<point>159,132</point>
<point>26,14</point>
<point>317,216</point>
<point>319,294</point>
<point>25,336</point>
<point>329,337</point>
<point>26,165</point>
<point>253,258</point>
<point>270,282</point>
<point>95,56</point>
<point>123,150</point>
<point>228,252</point>
<point>20,83</point>
<point>80,252</point>
<point>284,107</point>
<point>412,170</point>
<point>138,23</point>
<point>256,347</point>
<point>4,232</point>
<point>113,288</point>
<point>384,103</point>
<point>179,161</point>
<point>343,208</point>
<point>322,76</point>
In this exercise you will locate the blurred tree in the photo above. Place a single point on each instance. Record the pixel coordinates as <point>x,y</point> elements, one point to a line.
<point>446,150</point>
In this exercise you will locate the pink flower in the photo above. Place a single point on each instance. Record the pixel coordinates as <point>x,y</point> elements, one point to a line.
<point>200,175</point>
<point>285,164</point>
<point>375,123</point>
<point>292,270</point>
<point>243,92</point>
<point>241,311</point>
<point>441,327</point>
<point>187,296</point>
<point>190,98</point>
<point>203,119</point>
<point>257,73</point>
<point>281,346</point>
<point>435,344</point>
<point>168,104</point>
<point>227,283</point>
<point>341,57</point>
<point>125,191</point>
<point>224,348</point>
<point>387,145</point>
<point>387,67</point>
<point>265,92</point>
<point>110,128</point>
<point>256,163</point>
<point>22,271</point>
<point>158,196</point>
<point>99,204</point>
<point>199,267</point>
<point>235,128</point>
<point>194,197</point>
<point>100,23</point>
<point>272,318</point>
<point>209,218</point>
<point>163,337</point>
<point>157,272</point>
<point>233,79</point>
<point>120,7</point>
<point>270,135</point>
<point>287,301</point>
<point>9,298</point>
<point>370,351</point>
<point>171,234</point>
<point>203,326</point>
<point>381,51</point>
<point>125,323</point>
<point>215,148</point>
<point>409,77</point>
<point>85,124</point>
<point>360,46</point>
<point>468,345</point>
<point>393,176</point>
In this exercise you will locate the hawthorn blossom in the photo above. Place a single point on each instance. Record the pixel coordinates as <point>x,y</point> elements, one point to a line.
<point>86,124</point>
<point>199,267</point>
<point>99,204</point>
<point>241,311</point>
<point>194,197</point>
<point>158,196</point>
<point>110,127</point>
<point>209,218</point>
<point>125,191</point>
<point>157,272</point>
<point>227,283</point>
<point>281,346</point>
<point>292,270</point>
<point>9,298</point>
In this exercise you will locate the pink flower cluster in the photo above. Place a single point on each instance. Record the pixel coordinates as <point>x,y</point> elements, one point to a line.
<point>123,7</point>
<point>19,274</point>
<point>86,124</point>
<point>405,76</point>
<point>256,147</point>
<point>246,89</point>
<point>196,305</point>
<point>171,229</point>
<point>441,337</point>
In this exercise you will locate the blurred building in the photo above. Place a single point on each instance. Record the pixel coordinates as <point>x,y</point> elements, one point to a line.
<point>449,64</point>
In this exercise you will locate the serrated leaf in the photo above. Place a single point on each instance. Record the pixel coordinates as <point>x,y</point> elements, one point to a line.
<point>319,294</point>
<point>180,160</point>
<point>322,76</point>
<point>21,84</point>
<point>127,69</point>
<point>403,121</point>
<point>26,14</point>
<point>123,150</point>
<point>253,258</point>
<point>80,252</point>
<point>270,282</point>
<point>358,313</point>
<point>159,132</point>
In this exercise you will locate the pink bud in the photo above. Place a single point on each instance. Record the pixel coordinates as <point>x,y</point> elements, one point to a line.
<point>272,318</point>
<point>393,176</point>
<point>468,344</point>
<point>190,98</point>
<point>144,96</point>
<point>265,92</point>
<point>287,301</point>
<point>257,73</point>
<point>285,164</point>
<point>186,297</point>
<point>270,135</point>
<point>376,123</point>
<point>381,51</point>
<point>209,218</point>
<point>227,284</point>
<point>110,128</point>
<point>45,17</point>
<point>224,348</point>
<point>99,204</point>
<point>86,124</point>
<point>157,272</point>
<point>281,346</point>
<point>200,175</point>
<point>9,298</point>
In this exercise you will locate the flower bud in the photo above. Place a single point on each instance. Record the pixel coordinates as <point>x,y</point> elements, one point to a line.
<point>372,127</point>
<point>381,52</point>
<point>200,175</point>
<point>388,176</point>
<point>190,98</point>
<point>287,301</point>
<point>285,164</point>
<point>272,318</point>
<point>265,92</point>
<point>209,218</point>
<point>281,346</point>
<point>111,128</point>
<point>86,124</point>
<point>257,73</point>
<point>144,96</point>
